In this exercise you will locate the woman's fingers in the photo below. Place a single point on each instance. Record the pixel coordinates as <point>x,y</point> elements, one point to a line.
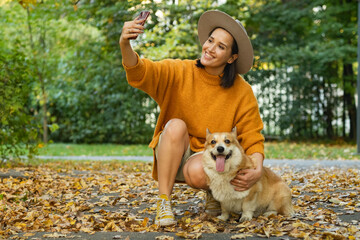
<point>132,29</point>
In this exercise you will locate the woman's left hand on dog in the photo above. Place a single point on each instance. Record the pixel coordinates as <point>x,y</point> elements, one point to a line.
<point>246,178</point>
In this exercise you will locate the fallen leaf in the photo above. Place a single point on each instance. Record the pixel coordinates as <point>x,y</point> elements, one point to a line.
<point>164,237</point>
<point>241,236</point>
<point>54,235</point>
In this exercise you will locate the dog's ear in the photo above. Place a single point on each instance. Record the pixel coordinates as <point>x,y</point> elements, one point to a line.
<point>207,132</point>
<point>234,131</point>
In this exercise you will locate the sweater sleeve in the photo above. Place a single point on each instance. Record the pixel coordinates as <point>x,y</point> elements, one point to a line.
<point>249,125</point>
<point>154,78</point>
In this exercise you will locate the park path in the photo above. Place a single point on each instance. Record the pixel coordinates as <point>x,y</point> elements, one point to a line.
<point>298,163</point>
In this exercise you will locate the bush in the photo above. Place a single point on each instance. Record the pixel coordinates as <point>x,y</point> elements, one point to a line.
<point>18,133</point>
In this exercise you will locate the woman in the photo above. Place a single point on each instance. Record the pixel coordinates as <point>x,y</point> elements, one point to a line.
<point>194,95</point>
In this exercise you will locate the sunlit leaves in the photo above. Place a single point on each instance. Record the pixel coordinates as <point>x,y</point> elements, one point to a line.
<point>27,3</point>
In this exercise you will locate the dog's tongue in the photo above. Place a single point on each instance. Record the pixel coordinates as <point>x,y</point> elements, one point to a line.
<point>220,163</point>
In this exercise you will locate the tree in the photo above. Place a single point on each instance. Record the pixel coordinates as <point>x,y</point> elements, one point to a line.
<point>301,49</point>
<point>95,103</point>
<point>41,49</point>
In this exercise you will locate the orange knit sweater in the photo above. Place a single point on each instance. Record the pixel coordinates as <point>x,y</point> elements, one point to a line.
<point>187,92</point>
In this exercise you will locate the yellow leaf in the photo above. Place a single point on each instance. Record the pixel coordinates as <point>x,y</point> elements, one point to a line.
<point>241,236</point>
<point>28,234</point>
<point>87,230</point>
<point>54,235</point>
<point>20,225</point>
<point>40,145</point>
<point>144,222</point>
<point>334,200</point>
<point>198,226</point>
<point>111,226</point>
<point>164,237</point>
<point>189,235</point>
<point>303,225</point>
<point>266,232</point>
<point>30,216</point>
<point>77,185</point>
<point>83,183</point>
<point>48,223</point>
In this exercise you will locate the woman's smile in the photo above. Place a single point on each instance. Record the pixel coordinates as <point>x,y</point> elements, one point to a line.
<point>216,51</point>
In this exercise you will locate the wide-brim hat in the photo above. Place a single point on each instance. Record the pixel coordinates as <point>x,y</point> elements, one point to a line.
<point>213,19</point>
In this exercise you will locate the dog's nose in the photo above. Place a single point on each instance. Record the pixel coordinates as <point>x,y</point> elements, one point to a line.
<point>220,149</point>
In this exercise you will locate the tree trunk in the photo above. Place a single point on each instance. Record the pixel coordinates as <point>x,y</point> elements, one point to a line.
<point>349,98</point>
<point>44,107</point>
<point>40,75</point>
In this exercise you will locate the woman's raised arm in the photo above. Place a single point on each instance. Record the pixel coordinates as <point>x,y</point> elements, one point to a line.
<point>130,31</point>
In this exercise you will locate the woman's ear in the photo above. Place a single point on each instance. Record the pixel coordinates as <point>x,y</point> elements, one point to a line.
<point>232,59</point>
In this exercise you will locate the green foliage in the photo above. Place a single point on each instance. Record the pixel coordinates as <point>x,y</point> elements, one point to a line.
<point>90,99</point>
<point>303,72</point>
<point>301,47</point>
<point>18,132</point>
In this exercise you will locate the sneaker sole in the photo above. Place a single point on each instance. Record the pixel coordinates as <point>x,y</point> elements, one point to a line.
<point>165,222</point>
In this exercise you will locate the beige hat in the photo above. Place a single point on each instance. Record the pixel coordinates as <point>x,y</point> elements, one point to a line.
<point>213,19</point>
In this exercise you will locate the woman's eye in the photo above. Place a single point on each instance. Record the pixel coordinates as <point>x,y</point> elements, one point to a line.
<point>221,47</point>
<point>213,142</point>
<point>227,141</point>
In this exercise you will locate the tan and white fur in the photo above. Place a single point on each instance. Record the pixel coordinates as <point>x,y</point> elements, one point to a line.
<point>223,157</point>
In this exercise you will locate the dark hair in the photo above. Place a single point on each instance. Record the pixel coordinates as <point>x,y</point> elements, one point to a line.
<point>229,76</point>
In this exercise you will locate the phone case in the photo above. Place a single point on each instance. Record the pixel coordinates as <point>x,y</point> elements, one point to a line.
<point>142,16</point>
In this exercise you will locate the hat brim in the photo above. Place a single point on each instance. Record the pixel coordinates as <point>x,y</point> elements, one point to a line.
<point>213,19</point>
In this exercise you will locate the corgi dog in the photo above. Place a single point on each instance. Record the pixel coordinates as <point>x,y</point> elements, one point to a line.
<point>223,157</point>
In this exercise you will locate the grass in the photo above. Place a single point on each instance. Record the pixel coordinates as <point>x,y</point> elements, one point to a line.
<point>63,149</point>
<point>310,150</point>
<point>273,150</point>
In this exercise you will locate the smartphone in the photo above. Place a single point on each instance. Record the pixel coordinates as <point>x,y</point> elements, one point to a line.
<point>142,16</point>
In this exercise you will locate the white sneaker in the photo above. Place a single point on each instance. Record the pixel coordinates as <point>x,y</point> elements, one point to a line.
<point>164,215</point>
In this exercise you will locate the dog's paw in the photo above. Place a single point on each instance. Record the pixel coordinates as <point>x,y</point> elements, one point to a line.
<point>269,213</point>
<point>245,217</point>
<point>222,217</point>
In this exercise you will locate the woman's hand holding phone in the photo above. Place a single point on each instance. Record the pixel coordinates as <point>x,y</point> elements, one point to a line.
<point>132,29</point>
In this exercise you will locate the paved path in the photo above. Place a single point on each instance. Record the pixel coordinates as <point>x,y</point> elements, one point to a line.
<point>268,162</point>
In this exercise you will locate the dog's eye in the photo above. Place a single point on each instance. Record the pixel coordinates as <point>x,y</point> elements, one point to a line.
<point>213,142</point>
<point>227,141</point>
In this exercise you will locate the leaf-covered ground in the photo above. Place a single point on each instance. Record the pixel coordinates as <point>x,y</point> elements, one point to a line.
<point>64,199</point>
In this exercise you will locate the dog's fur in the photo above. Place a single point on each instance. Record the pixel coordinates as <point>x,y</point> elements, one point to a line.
<point>270,195</point>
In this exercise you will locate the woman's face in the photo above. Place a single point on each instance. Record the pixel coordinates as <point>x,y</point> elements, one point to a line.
<point>216,51</point>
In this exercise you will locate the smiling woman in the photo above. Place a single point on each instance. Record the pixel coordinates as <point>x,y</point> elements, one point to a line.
<point>194,95</point>
<point>217,51</point>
